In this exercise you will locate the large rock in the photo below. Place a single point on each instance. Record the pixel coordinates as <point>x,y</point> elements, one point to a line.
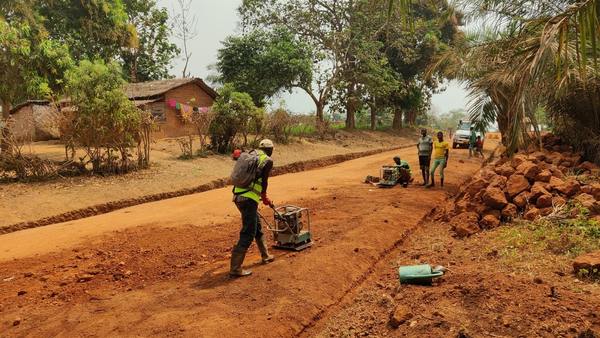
<point>521,200</point>
<point>486,173</point>
<point>566,164</point>
<point>556,172</point>
<point>588,262</point>
<point>538,156</point>
<point>546,211</point>
<point>596,191</point>
<point>554,158</point>
<point>528,169</point>
<point>494,198</point>
<point>555,183</point>
<point>587,189</point>
<point>544,201</point>
<point>569,188</point>
<point>465,224</point>
<point>588,166</point>
<point>498,181</point>
<point>589,202</point>
<point>533,214</point>
<point>476,186</point>
<point>517,184</point>
<point>505,170</point>
<point>400,315</point>
<point>510,212</point>
<point>538,190</point>
<point>517,160</point>
<point>489,222</point>
<point>544,176</point>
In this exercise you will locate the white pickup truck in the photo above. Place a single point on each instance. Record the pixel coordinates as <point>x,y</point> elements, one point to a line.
<point>463,132</point>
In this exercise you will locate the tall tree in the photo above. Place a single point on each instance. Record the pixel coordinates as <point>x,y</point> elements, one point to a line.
<point>412,50</point>
<point>91,28</point>
<point>151,58</point>
<point>185,28</point>
<point>320,23</point>
<point>262,63</point>
<point>30,64</point>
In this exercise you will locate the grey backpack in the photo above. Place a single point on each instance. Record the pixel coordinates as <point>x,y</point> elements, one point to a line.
<point>245,170</point>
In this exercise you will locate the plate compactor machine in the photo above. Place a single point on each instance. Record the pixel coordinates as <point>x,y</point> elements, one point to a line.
<point>388,177</point>
<point>291,227</point>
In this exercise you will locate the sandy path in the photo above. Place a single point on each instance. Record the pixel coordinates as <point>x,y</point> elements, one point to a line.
<point>174,254</point>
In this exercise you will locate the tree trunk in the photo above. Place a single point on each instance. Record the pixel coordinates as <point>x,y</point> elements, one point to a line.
<point>320,111</point>
<point>373,116</point>
<point>351,105</point>
<point>502,127</point>
<point>397,123</point>
<point>6,106</point>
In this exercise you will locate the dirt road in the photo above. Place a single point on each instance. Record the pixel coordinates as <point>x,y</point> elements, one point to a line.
<point>166,174</point>
<point>160,269</point>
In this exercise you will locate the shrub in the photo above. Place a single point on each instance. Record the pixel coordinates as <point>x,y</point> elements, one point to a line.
<point>235,114</point>
<point>279,126</point>
<point>202,121</point>
<point>106,124</point>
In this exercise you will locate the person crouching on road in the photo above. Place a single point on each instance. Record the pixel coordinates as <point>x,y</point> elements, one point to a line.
<point>441,150</point>
<point>247,203</point>
<point>404,173</point>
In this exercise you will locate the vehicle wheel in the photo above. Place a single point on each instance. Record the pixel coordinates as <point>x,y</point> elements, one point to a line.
<point>453,145</point>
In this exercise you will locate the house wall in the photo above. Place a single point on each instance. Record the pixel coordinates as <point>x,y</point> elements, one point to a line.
<point>191,94</point>
<point>24,125</point>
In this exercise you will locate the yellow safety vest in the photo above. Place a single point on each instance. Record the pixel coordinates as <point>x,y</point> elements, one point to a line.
<point>254,191</point>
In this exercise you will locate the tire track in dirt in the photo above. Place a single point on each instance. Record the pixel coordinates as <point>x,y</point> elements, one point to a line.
<point>108,207</point>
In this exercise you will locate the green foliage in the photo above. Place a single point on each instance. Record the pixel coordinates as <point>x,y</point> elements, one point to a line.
<point>363,52</point>
<point>105,120</point>
<point>31,66</point>
<point>570,237</point>
<point>234,114</point>
<point>151,58</point>
<point>262,63</point>
<point>447,120</point>
<point>91,28</point>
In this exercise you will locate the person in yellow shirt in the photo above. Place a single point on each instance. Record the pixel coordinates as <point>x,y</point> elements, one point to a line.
<point>441,150</point>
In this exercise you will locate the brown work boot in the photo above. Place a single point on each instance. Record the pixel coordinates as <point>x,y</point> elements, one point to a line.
<point>264,251</point>
<point>237,259</point>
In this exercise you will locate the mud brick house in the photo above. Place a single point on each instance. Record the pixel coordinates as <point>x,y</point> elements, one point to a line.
<point>171,102</point>
<point>35,120</point>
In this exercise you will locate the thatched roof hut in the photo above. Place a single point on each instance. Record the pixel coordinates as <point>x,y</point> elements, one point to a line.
<point>35,120</point>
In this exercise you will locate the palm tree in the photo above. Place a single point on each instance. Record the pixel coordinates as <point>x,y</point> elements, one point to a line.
<point>542,53</point>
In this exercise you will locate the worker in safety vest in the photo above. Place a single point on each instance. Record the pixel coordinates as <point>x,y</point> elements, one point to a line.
<point>247,199</point>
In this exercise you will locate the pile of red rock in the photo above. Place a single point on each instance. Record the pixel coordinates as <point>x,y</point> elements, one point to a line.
<point>527,185</point>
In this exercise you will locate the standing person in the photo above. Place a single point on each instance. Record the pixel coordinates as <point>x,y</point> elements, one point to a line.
<point>479,146</point>
<point>246,200</point>
<point>440,158</point>
<point>472,143</point>
<point>425,147</point>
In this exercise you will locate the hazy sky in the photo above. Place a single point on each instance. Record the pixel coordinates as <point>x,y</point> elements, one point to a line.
<point>218,19</point>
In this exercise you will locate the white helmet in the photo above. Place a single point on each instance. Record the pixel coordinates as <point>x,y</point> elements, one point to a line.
<point>266,143</point>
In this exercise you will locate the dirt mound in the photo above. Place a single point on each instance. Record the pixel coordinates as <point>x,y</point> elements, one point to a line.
<point>529,185</point>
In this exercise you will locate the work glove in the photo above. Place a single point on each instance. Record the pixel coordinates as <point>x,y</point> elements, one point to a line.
<point>266,201</point>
